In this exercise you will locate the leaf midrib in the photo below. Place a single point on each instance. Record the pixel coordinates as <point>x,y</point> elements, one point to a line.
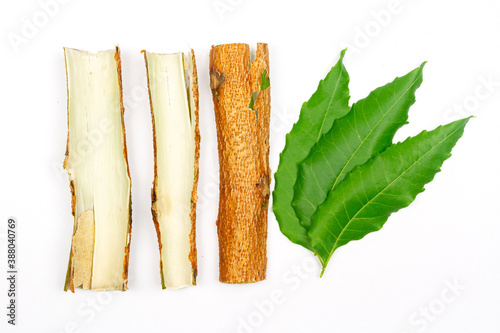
<point>329,104</point>
<point>372,199</point>
<point>371,131</point>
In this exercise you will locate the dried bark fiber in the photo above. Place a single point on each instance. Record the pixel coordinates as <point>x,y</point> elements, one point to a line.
<point>243,144</point>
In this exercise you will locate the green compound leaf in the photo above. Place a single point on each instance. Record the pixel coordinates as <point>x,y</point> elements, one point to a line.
<point>329,102</point>
<point>369,194</point>
<point>365,131</point>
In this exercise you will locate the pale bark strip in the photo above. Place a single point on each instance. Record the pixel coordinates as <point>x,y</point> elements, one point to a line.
<point>174,111</point>
<point>96,162</point>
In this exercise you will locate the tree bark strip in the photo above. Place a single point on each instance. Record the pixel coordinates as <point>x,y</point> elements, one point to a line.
<point>96,162</point>
<point>173,92</point>
<point>243,144</point>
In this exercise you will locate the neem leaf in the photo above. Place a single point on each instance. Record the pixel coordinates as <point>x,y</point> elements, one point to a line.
<point>363,201</point>
<point>329,102</point>
<point>365,131</point>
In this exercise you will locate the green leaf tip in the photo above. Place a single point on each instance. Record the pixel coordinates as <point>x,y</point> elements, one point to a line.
<point>362,203</point>
<point>330,101</point>
<point>342,54</point>
<point>367,130</point>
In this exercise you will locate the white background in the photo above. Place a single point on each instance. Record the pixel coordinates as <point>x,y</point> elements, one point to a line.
<point>449,235</point>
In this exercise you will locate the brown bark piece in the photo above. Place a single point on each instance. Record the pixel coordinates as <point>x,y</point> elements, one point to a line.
<point>243,144</point>
<point>194,193</point>
<point>125,154</point>
<point>82,251</point>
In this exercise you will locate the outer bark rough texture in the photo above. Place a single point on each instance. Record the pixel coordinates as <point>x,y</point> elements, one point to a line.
<point>193,95</point>
<point>125,154</point>
<point>243,144</point>
<point>194,193</point>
